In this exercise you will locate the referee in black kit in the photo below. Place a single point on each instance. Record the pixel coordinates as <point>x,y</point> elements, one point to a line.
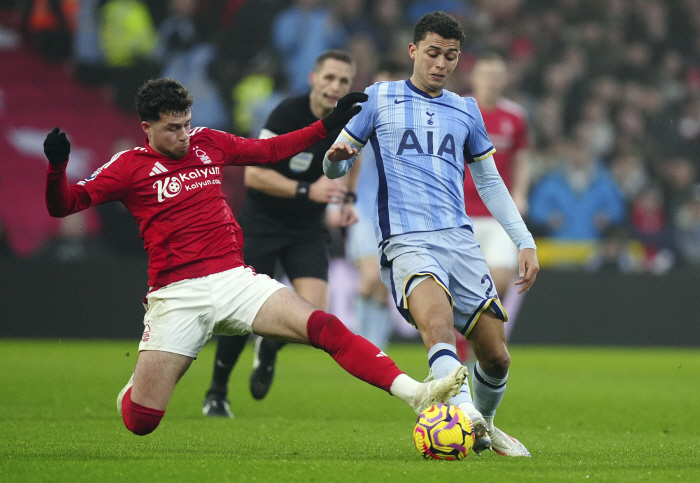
<point>283,219</point>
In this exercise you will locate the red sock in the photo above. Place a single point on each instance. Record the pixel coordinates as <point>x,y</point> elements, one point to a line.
<point>355,354</point>
<point>138,419</point>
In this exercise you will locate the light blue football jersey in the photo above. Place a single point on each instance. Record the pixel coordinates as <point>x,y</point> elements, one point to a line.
<point>419,145</point>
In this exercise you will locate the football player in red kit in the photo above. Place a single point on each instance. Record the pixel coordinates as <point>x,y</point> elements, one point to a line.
<point>199,282</point>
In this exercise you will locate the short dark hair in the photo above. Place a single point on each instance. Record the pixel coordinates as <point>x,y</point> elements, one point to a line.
<point>339,55</point>
<point>446,26</point>
<point>162,96</point>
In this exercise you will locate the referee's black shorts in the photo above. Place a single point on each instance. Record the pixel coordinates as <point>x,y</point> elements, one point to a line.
<point>300,256</point>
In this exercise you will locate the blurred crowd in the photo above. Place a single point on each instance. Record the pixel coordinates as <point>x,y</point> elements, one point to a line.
<point>611,89</point>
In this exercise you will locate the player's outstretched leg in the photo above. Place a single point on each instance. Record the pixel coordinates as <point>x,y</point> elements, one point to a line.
<point>287,316</point>
<point>489,381</point>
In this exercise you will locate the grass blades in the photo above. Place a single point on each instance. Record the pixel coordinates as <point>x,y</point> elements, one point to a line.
<point>585,414</point>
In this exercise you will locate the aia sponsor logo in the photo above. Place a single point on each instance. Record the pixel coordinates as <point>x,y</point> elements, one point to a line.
<point>146,333</point>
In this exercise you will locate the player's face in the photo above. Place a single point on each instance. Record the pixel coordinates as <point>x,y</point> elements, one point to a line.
<point>434,60</point>
<point>330,82</point>
<point>489,79</point>
<point>170,134</point>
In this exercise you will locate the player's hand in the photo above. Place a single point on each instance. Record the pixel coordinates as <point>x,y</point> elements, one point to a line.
<point>56,147</point>
<point>340,152</point>
<point>326,190</point>
<point>343,111</point>
<point>528,266</point>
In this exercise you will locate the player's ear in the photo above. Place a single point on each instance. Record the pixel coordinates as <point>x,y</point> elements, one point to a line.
<point>146,126</point>
<point>412,48</point>
<point>311,78</point>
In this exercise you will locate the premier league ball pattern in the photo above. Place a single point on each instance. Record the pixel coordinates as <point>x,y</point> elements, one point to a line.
<point>443,432</point>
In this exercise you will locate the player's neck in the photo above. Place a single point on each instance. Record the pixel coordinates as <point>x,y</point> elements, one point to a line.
<point>423,88</point>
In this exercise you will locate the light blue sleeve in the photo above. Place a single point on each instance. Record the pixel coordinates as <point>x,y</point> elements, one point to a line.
<point>478,145</point>
<point>355,133</point>
<point>497,199</point>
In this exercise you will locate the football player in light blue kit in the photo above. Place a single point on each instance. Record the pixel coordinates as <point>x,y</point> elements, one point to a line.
<point>420,135</point>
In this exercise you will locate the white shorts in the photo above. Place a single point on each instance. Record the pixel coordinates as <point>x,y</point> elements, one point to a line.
<point>497,247</point>
<point>452,258</point>
<point>362,242</point>
<point>182,316</point>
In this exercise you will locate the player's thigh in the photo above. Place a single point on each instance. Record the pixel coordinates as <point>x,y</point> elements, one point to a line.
<point>409,264</point>
<point>284,317</point>
<point>239,295</point>
<point>179,317</point>
<point>431,311</point>
<point>155,377</point>
<point>314,290</point>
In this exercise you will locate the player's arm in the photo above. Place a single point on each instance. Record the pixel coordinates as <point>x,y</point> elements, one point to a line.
<point>341,156</point>
<point>251,152</point>
<point>497,199</point>
<point>61,199</point>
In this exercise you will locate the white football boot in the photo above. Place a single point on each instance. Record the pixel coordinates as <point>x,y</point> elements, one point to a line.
<point>120,397</point>
<point>439,390</point>
<point>504,444</point>
<point>482,440</point>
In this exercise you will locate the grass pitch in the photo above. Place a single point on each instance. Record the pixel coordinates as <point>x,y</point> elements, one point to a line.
<point>605,414</point>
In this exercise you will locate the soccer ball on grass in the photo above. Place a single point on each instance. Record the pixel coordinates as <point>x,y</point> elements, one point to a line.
<point>443,432</point>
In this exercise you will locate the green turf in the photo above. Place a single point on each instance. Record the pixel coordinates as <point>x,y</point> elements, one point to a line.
<point>609,414</point>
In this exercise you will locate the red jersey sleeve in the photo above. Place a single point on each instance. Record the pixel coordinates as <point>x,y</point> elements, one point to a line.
<point>109,183</point>
<point>247,152</point>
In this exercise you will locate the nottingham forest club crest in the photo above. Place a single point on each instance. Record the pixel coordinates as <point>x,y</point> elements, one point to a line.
<point>204,157</point>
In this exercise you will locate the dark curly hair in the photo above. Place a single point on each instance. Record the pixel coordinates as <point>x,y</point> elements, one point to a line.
<point>162,96</point>
<point>438,23</point>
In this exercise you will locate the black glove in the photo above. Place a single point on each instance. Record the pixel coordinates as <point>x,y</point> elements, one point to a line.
<point>56,147</point>
<point>343,111</point>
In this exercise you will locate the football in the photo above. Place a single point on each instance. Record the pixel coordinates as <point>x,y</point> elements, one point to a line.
<point>443,432</point>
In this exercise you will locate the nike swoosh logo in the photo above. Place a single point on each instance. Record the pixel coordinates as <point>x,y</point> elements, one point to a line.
<point>396,101</point>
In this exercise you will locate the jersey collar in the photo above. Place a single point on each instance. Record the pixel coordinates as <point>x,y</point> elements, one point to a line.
<point>422,93</point>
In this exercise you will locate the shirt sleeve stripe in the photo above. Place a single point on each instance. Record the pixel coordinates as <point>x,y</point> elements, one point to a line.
<point>352,138</point>
<point>485,154</point>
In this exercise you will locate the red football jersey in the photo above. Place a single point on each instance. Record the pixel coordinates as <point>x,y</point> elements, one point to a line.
<point>507,128</point>
<point>187,227</point>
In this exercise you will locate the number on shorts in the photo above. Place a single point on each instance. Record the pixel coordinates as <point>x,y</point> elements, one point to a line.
<point>484,279</point>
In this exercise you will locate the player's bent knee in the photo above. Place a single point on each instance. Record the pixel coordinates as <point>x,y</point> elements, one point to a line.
<point>496,365</point>
<point>140,420</point>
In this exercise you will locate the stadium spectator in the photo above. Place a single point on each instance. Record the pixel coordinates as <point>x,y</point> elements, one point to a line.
<point>128,38</point>
<point>578,200</point>
<point>186,58</point>
<point>199,283</point>
<point>301,33</point>
<point>688,228</point>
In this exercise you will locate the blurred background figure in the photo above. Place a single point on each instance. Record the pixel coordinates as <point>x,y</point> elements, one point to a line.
<point>506,125</point>
<point>579,199</point>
